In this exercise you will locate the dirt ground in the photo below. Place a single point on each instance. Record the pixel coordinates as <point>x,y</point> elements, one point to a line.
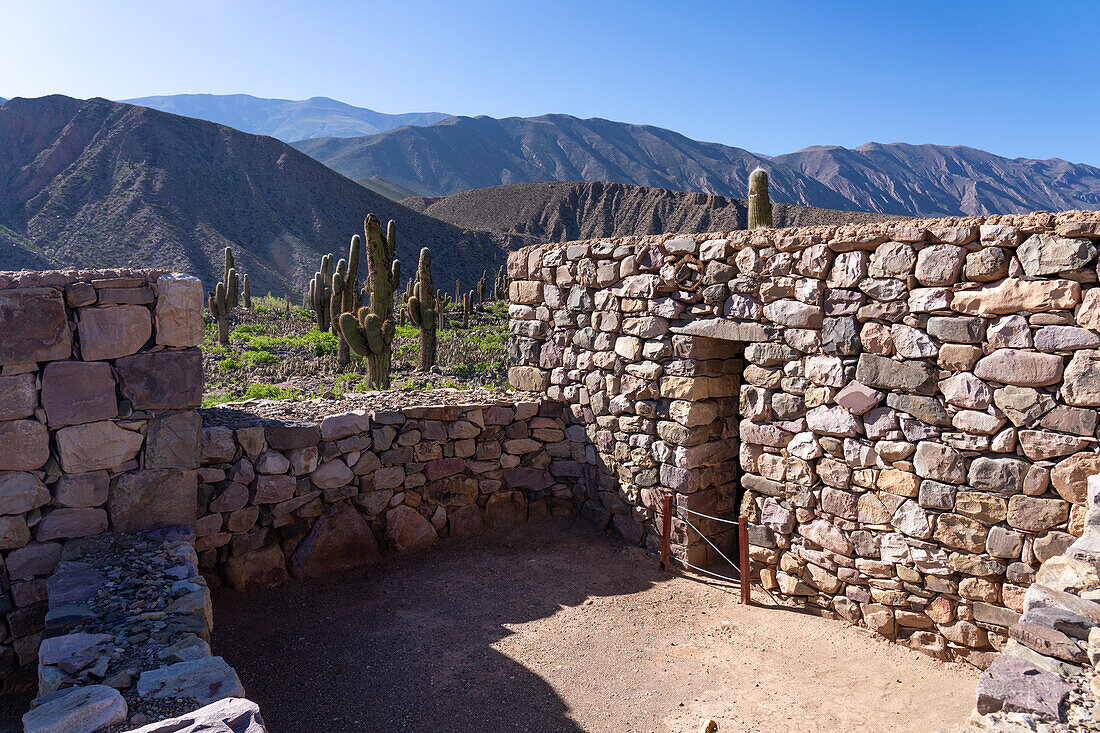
<point>554,628</point>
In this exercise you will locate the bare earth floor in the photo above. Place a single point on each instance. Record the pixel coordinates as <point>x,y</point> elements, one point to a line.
<point>551,627</point>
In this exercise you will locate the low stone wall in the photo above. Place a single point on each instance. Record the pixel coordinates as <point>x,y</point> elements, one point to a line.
<point>99,381</point>
<point>1047,671</point>
<point>127,635</point>
<point>911,429</point>
<point>284,497</point>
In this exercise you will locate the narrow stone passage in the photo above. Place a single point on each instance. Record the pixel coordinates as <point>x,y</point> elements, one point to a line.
<point>553,627</point>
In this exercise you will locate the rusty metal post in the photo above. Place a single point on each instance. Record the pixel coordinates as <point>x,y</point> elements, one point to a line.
<point>743,553</point>
<point>666,532</point>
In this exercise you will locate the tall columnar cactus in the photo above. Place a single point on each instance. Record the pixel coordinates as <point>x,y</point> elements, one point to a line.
<point>224,298</point>
<point>370,331</point>
<point>246,293</point>
<point>481,287</point>
<point>760,204</point>
<point>500,286</point>
<point>458,291</point>
<point>320,294</point>
<point>422,309</point>
<point>345,297</point>
<point>467,306</point>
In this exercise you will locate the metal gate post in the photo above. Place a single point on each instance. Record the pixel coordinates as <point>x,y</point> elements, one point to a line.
<point>666,532</point>
<point>743,552</point>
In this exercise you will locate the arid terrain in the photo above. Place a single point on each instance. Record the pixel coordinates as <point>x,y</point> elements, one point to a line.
<point>552,627</point>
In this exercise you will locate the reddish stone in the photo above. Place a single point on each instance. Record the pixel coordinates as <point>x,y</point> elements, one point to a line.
<point>76,392</point>
<point>18,396</point>
<point>340,540</point>
<point>162,380</point>
<point>435,470</point>
<point>24,445</point>
<point>34,325</point>
<point>258,569</point>
<point>505,509</point>
<point>407,530</point>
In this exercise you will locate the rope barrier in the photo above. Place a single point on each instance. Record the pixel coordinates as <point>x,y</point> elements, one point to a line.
<point>706,516</point>
<point>707,540</point>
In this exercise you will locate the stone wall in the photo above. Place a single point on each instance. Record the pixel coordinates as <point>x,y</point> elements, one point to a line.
<point>99,381</point>
<point>309,497</point>
<point>1047,671</point>
<point>917,405</point>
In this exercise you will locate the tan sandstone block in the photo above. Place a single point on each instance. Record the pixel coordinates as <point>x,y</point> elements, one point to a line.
<point>179,310</point>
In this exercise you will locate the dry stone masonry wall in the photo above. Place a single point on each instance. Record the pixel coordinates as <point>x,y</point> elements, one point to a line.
<point>99,381</point>
<point>311,497</point>
<point>910,429</point>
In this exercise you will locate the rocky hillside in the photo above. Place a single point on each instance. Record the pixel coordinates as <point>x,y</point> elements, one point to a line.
<point>99,184</point>
<point>285,119</point>
<point>933,180</point>
<point>463,153</point>
<point>529,213</point>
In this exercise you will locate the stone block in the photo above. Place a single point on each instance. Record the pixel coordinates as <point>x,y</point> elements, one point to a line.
<point>257,569</point>
<point>147,499</point>
<point>77,709</point>
<point>178,311</point>
<point>24,445</point>
<point>113,331</point>
<point>97,445</point>
<point>76,392</point>
<point>1033,514</point>
<point>162,380</point>
<point>205,680</point>
<point>1020,368</point>
<point>35,326</point>
<point>1014,685</point>
<point>407,530</point>
<point>21,492</point>
<point>917,377</point>
<point>174,440</point>
<point>340,539</point>
<point>61,524</point>
<point>18,396</point>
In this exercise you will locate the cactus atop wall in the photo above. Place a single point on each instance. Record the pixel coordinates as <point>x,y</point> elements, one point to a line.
<point>760,204</point>
<point>319,299</point>
<point>345,297</point>
<point>422,309</point>
<point>369,332</point>
<point>224,298</point>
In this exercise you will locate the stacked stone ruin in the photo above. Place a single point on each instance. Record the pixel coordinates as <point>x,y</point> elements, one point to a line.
<point>905,411</point>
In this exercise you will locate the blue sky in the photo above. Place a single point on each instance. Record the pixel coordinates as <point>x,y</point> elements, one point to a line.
<point>1015,78</point>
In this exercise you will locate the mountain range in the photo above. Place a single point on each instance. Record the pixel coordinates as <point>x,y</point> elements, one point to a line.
<point>96,183</point>
<point>463,153</point>
<point>285,119</point>
<point>530,213</point>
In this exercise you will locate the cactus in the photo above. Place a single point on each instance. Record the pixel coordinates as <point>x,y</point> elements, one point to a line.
<point>422,309</point>
<point>458,291</point>
<point>467,306</point>
<point>320,294</point>
<point>760,204</point>
<point>481,287</point>
<point>246,293</point>
<point>224,298</point>
<point>370,331</point>
<point>345,297</point>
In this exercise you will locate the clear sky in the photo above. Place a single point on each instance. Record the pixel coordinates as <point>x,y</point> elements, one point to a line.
<point>1014,78</point>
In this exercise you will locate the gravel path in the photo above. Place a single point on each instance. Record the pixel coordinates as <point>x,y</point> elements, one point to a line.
<point>551,627</point>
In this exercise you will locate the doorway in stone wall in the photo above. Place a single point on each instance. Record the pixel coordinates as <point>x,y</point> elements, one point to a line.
<point>701,383</point>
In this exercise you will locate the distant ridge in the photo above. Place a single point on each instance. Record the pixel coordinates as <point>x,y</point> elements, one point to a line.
<point>285,119</point>
<point>464,153</point>
<point>95,183</point>
<point>389,189</point>
<point>529,213</point>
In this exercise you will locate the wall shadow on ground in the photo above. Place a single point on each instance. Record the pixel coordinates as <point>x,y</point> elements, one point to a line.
<point>407,644</point>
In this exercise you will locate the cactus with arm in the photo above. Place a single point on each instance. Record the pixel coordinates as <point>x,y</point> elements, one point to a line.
<point>422,309</point>
<point>369,332</point>
<point>345,297</point>
<point>320,294</point>
<point>224,298</point>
